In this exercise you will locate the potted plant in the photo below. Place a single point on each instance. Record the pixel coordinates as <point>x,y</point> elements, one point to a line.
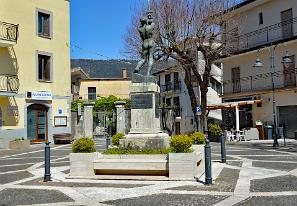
<point>214,132</point>
<point>19,144</point>
<point>81,160</point>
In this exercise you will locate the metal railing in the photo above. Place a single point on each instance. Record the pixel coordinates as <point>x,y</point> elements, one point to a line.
<point>277,32</point>
<point>9,32</point>
<point>175,86</point>
<point>282,79</point>
<point>9,83</point>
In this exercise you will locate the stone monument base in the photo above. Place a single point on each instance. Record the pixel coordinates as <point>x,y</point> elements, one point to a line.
<point>145,141</point>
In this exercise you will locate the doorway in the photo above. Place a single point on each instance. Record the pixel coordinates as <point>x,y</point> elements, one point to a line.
<point>37,123</point>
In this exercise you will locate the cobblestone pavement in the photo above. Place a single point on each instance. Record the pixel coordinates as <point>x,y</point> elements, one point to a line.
<point>255,174</point>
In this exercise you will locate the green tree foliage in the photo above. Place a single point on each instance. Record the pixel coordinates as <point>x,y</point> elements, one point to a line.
<point>75,103</point>
<point>106,103</point>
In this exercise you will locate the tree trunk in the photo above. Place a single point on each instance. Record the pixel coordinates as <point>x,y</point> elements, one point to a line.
<point>189,85</point>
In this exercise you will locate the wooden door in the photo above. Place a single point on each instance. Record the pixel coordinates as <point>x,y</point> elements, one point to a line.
<point>287,23</point>
<point>177,128</point>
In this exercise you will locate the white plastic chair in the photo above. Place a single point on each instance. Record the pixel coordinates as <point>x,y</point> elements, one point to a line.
<point>242,135</point>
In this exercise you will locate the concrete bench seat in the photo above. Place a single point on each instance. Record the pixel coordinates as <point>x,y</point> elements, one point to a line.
<point>131,166</point>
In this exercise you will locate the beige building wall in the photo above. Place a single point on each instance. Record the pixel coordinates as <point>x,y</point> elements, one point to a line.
<point>256,83</point>
<point>105,87</point>
<point>21,60</point>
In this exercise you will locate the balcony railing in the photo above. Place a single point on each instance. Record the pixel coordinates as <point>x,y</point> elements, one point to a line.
<point>171,87</point>
<point>8,32</point>
<point>9,83</point>
<point>277,32</point>
<point>282,79</point>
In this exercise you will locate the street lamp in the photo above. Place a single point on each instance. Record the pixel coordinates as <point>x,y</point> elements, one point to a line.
<point>286,62</point>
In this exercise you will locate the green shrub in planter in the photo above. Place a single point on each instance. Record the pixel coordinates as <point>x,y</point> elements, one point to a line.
<point>83,145</point>
<point>198,138</point>
<point>116,138</point>
<point>180,143</point>
<point>214,132</point>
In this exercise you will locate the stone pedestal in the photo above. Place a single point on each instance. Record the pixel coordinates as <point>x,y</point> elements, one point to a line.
<point>145,132</point>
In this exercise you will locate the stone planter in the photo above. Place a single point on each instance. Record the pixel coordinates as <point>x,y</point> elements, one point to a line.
<point>187,166</point>
<point>82,164</point>
<point>174,166</point>
<point>19,144</point>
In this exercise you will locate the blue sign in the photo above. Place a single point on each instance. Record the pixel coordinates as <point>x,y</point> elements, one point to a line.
<point>60,111</point>
<point>198,110</point>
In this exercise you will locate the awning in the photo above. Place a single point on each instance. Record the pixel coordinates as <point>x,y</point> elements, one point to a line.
<point>232,105</point>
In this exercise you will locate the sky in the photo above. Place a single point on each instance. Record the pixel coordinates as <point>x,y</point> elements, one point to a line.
<point>99,26</point>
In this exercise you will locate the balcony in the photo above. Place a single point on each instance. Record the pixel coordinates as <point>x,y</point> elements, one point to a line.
<point>171,87</point>
<point>8,34</point>
<point>282,79</point>
<point>280,32</point>
<point>9,84</point>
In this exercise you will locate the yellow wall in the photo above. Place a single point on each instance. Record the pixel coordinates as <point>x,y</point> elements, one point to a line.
<point>119,88</point>
<point>20,59</point>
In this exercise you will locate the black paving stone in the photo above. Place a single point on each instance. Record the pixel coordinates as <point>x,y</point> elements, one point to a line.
<point>276,165</point>
<point>39,182</point>
<point>272,158</point>
<point>29,196</point>
<point>270,201</point>
<point>225,182</point>
<point>275,184</point>
<point>14,168</point>
<point>168,200</point>
<point>7,178</point>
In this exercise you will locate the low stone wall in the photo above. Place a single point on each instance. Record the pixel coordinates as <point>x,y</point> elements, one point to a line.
<point>19,144</point>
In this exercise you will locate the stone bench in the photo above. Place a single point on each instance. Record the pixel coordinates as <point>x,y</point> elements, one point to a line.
<point>131,166</point>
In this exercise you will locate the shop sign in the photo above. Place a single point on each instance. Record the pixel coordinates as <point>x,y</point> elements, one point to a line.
<point>39,95</point>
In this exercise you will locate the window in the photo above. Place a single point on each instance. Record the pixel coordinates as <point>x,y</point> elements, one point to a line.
<point>91,93</point>
<point>44,23</point>
<point>44,67</point>
<point>260,18</point>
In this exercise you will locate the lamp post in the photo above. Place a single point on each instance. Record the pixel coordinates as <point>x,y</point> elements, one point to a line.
<point>286,62</point>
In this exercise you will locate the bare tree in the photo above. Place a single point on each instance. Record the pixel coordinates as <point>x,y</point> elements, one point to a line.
<point>184,28</point>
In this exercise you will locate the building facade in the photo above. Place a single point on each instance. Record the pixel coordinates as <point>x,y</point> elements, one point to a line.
<point>88,88</point>
<point>35,93</point>
<point>266,29</point>
<point>174,94</point>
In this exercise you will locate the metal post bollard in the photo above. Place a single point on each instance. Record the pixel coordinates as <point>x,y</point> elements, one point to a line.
<point>208,176</point>
<point>47,169</point>
<point>107,141</point>
<point>223,149</point>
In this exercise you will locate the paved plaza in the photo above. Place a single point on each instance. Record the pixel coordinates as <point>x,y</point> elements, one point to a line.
<point>255,174</point>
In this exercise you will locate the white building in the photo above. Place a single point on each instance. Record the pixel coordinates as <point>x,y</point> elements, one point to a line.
<point>174,93</point>
<point>269,24</point>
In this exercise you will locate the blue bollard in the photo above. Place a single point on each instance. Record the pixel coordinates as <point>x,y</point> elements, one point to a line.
<point>208,176</point>
<point>47,163</point>
<point>223,149</point>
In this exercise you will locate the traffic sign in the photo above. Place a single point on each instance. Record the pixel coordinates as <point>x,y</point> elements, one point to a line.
<point>198,110</point>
